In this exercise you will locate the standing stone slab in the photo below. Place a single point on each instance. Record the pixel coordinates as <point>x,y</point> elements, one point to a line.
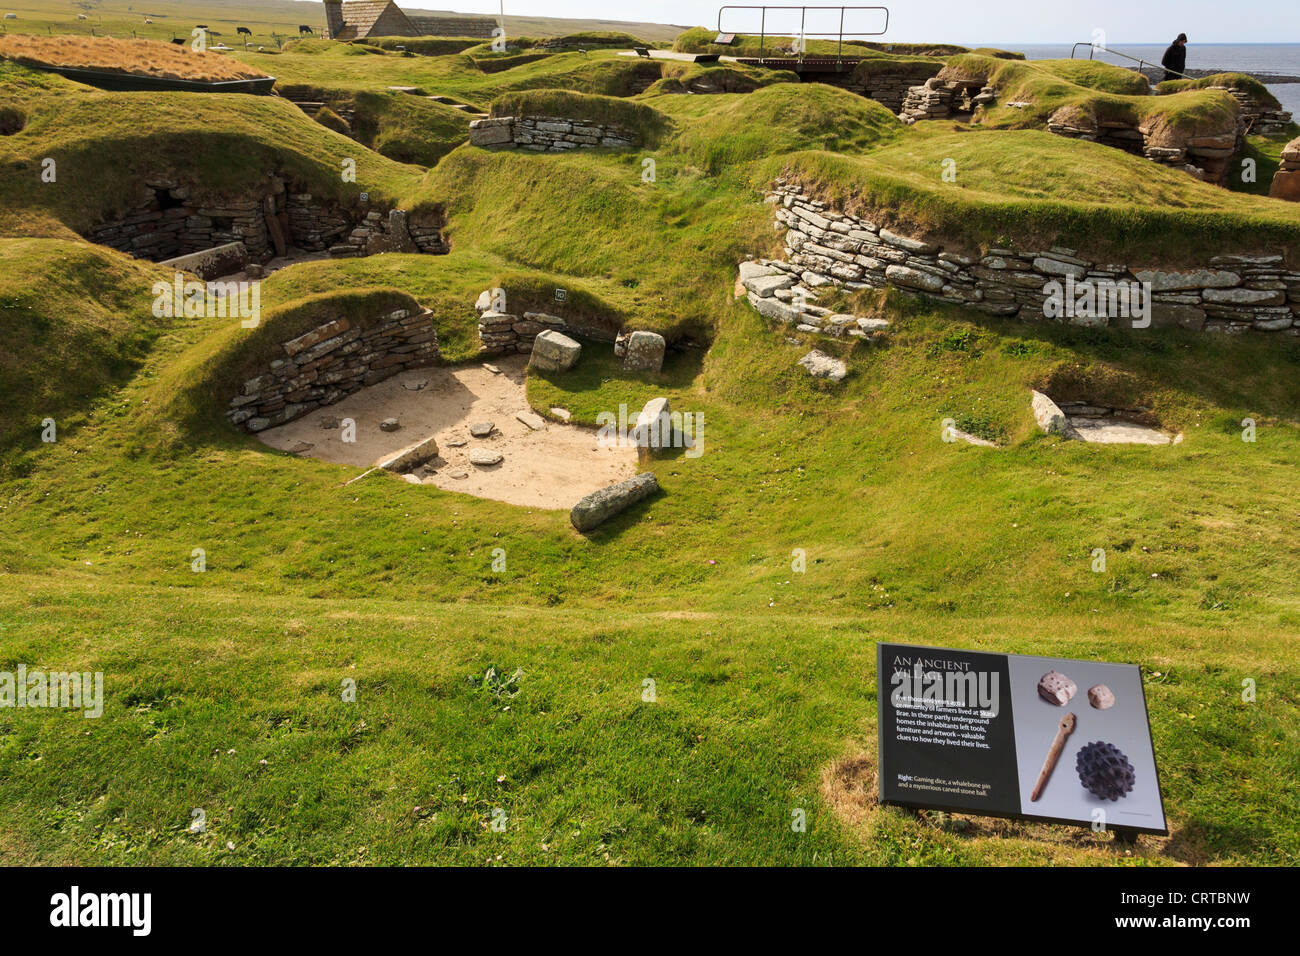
<point>654,425</point>
<point>644,352</point>
<point>410,458</point>
<point>1049,416</point>
<point>554,352</point>
<point>497,131</point>
<point>600,506</point>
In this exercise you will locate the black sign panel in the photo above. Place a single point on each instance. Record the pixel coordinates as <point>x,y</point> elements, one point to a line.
<point>1009,735</point>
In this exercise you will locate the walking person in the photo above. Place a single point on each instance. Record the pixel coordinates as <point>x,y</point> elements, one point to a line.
<point>1175,59</point>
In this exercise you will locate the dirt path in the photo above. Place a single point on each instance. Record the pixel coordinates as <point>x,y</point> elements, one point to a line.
<point>548,468</point>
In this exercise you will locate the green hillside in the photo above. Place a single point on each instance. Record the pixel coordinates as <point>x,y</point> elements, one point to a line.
<point>223,687</point>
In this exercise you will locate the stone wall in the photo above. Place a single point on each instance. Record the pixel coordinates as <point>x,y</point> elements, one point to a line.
<point>501,332</point>
<point>169,220</point>
<point>212,263</point>
<point>1206,156</point>
<point>1260,119</point>
<point>552,134</point>
<point>1286,181</point>
<point>951,94</point>
<point>888,87</point>
<point>330,362</point>
<point>1230,293</point>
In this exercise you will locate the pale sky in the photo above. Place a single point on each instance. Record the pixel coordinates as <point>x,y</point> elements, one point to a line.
<point>972,21</point>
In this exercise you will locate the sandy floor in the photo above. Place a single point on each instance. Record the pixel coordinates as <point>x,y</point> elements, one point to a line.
<point>550,468</point>
<point>1109,431</point>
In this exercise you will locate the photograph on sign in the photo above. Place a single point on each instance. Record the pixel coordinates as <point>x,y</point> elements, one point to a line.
<point>1010,735</point>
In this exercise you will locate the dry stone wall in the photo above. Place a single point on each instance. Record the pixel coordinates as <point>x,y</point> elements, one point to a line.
<point>1228,294</point>
<point>1259,118</point>
<point>552,134</point>
<point>502,332</point>
<point>1206,156</point>
<point>330,362</point>
<point>1286,181</point>
<point>888,87</point>
<point>170,220</point>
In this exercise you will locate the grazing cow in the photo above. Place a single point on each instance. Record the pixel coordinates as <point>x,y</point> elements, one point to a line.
<point>178,42</point>
<point>147,20</point>
<point>244,31</point>
<point>302,28</point>
<point>82,16</point>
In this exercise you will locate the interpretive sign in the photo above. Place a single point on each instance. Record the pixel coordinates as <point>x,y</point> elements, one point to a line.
<point>1008,735</point>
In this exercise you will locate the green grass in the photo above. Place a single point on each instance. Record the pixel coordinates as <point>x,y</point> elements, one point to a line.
<point>700,40</point>
<point>726,132</point>
<point>1027,187</point>
<point>106,144</point>
<point>1266,151</point>
<point>408,129</point>
<point>77,323</point>
<point>1239,80</point>
<point>677,77</point>
<point>764,676</point>
<point>1083,91</point>
<point>319,65</point>
<point>761,683</point>
<point>647,123</point>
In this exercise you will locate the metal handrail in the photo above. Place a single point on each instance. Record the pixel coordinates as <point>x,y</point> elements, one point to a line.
<point>803,20</point>
<point>1092,47</point>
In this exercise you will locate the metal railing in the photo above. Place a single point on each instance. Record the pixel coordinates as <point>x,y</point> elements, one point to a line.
<point>803,20</point>
<point>1093,48</point>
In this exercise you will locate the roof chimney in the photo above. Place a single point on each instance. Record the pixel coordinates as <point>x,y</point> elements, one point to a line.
<point>333,18</point>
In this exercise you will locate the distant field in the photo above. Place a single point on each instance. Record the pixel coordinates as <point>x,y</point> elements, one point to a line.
<point>266,18</point>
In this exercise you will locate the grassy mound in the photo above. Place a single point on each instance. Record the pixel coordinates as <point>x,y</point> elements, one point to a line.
<point>140,57</point>
<point>331,120</point>
<point>191,396</point>
<point>423,46</point>
<point>1238,80</point>
<point>646,122</point>
<point>221,144</point>
<point>317,65</point>
<point>1095,75</point>
<point>722,132</point>
<point>1030,186</point>
<point>408,129</point>
<point>725,78</point>
<point>1085,91</point>
<point>593,39</point>
<point>700,40</point>
<point>591,216</point>
<point>75,321</point>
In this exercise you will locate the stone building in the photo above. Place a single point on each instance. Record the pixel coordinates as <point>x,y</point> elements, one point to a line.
<point>384,18</point>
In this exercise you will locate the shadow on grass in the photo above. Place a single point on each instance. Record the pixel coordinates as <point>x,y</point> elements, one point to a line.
<point>1255,371</point>
<point>598,366</point>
